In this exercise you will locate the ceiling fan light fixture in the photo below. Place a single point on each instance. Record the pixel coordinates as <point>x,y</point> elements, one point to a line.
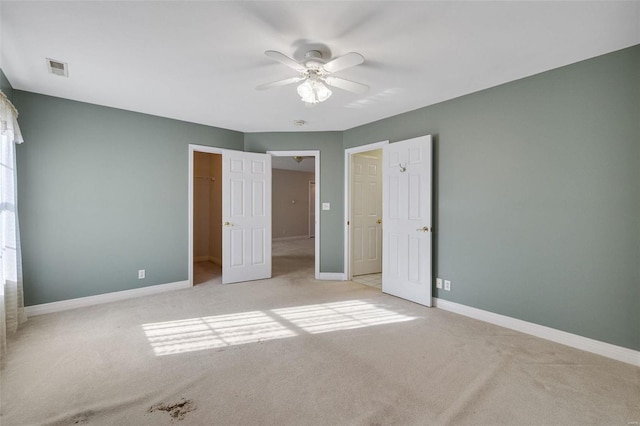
<point>323,93</point>
<point>305,90</point>
<point>317,75</point>
<point>313,92</point>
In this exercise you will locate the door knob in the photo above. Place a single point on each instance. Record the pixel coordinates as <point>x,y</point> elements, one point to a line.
<point>423,229</point>
<point>228,224</point>
<point>379,221</point>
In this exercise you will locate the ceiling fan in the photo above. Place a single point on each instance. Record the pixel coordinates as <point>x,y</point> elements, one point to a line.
<point>317,75</point>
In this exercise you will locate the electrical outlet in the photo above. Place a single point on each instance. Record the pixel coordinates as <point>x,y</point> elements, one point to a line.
<point>447,285</point>
<point>141,274</point>
<point>326,206</point>
<point>438,282</point>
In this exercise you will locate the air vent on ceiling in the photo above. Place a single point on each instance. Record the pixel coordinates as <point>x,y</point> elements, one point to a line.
<point>58,67</point>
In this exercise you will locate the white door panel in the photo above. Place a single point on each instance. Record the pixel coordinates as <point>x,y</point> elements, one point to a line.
<point>246,215</point>
<point>366,212</point>
<point>312,209</point>
<point>407,229</point>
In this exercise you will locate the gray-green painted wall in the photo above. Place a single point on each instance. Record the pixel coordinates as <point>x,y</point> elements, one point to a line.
<point>538,196</point>
<point>103,193</point>
<point>331,183</point>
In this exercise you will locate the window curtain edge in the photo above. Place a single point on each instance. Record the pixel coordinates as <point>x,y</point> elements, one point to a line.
<point>13,124</point>
<point>12,312</point>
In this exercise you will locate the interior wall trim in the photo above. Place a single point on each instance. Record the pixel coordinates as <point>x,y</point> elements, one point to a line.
<point>608,350</point>
<point>81,302</point>
<point>331,276</point>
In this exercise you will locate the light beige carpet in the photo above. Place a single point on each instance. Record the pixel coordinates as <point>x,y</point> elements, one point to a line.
<point>294,351</point>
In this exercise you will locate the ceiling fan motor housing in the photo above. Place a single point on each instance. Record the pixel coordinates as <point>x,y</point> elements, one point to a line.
<point>313,60</point>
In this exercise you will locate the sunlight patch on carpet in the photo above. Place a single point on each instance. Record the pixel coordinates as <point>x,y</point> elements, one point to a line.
<point>196,334</point>
<point>337,316</point>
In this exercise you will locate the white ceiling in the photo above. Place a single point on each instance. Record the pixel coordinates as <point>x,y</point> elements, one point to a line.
<point>201,61</point>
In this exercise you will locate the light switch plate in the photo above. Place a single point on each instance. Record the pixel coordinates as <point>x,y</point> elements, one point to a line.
<point>326,206</point>
<point>438,282</point>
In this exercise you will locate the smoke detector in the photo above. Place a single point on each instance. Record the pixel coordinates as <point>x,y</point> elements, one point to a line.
<point>58,67</point>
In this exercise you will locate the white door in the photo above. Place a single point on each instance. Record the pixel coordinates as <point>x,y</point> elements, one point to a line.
<point>406,219</point>
<point>312,209</point>
<point>366,215</point>
<point>246,216</point>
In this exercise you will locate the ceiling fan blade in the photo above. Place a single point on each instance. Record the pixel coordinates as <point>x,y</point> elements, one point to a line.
<point>350,86</point>
<point>280,83</point>
<point>343,62</point>
<point>282,58</point>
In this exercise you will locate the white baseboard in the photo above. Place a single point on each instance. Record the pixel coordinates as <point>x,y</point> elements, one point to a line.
<point>575,341</point>
<point>331,276</point>
<point>81,302</point>
<point>295,237</point>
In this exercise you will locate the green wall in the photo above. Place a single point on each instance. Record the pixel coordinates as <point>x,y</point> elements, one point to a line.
<point>331,183</point>
<point>537,199</point>
<point>103,193</point>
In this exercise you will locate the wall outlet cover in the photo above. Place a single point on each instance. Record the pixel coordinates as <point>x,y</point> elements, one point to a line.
<point>438,282</point>
<point>326,206</point>
<point>447,285</point>
<point>141,274</point>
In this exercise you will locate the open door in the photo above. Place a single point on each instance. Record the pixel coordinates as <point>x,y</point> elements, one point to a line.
<point>406,218</point>
<point>246,216</point>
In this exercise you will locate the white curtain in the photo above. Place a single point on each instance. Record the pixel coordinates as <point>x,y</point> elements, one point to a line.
<point>11,298</point>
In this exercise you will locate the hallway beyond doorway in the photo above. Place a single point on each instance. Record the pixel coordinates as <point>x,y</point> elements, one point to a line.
<point>372,280</point>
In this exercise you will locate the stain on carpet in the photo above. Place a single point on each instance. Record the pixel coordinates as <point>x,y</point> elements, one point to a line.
<point>82,418</point>
<point>177,410</point>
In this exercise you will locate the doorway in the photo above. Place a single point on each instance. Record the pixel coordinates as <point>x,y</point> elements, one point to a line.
<point>363,214</point>
<point>246,214</point>
<point>296,222</point>
<point>205,214</point>
<point>366,217</point>
<point>406,217</point>
<point>207,217</point>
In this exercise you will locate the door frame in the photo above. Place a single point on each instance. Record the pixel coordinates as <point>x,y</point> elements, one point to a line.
<point>347,199</point>
<point>192,150</point>
<point>316,155</point>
